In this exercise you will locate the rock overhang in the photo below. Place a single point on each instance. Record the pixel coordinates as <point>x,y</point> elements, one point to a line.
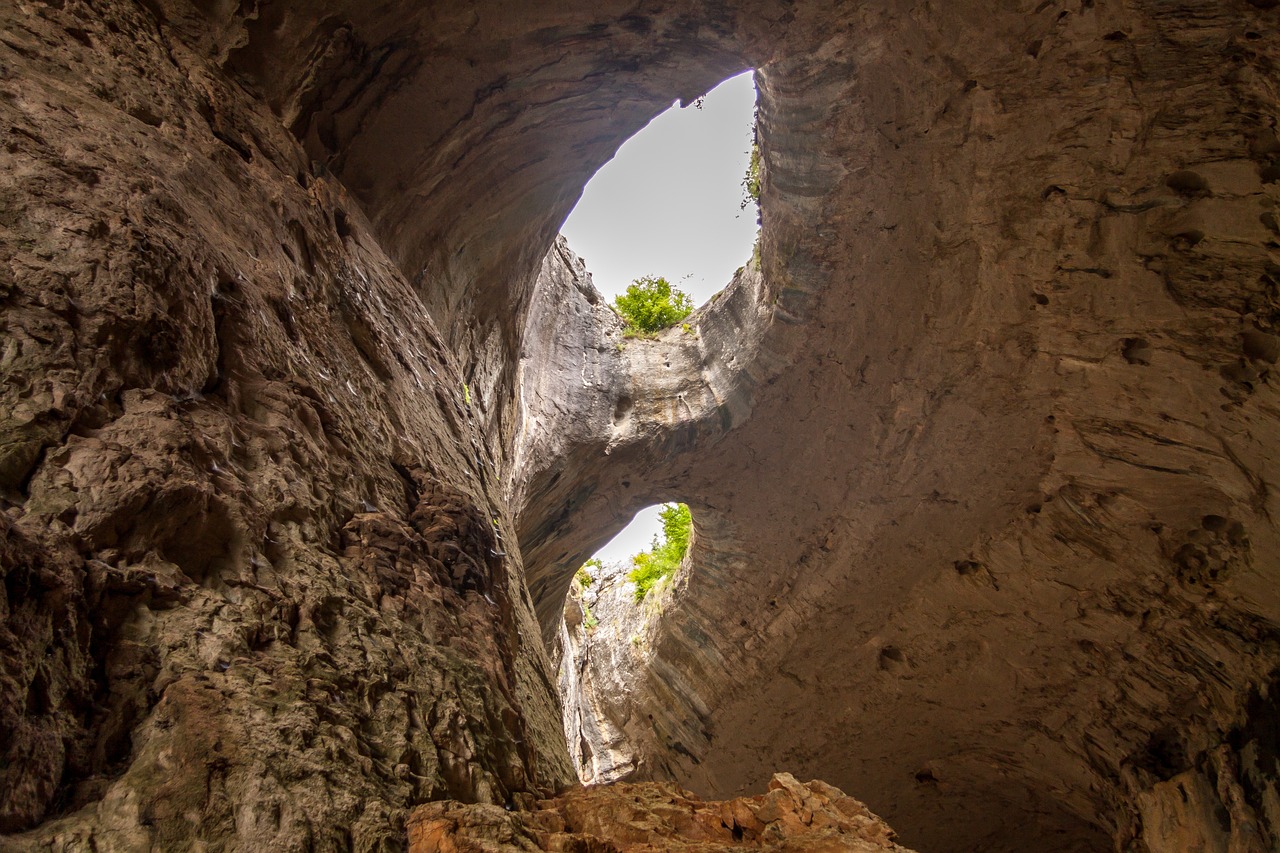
<point>939,347</point>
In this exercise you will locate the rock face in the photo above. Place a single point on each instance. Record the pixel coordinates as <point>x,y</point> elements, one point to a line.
<point>261,587</point>
<point>650,817</point>
<point>602,645</point>
<point>306,419</point>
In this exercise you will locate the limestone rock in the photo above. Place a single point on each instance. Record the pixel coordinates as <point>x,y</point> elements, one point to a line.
<point>650,817</point>
<point>257,587</point>
<point>597,660</point>
<point>306,418</point>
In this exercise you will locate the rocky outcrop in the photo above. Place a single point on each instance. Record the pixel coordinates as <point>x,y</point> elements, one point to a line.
<point>995,539</point>
<point>303,431</point>
<point>608,423</point>
<point>650,816</point>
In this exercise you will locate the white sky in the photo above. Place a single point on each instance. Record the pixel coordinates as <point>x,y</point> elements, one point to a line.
<point>634,538</point>
<point>668,204</point>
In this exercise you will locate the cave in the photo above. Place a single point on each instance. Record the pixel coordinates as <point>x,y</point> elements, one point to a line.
<point>308,418</point>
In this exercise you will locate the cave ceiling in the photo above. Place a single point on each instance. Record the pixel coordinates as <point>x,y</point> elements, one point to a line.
<point>981,453</point>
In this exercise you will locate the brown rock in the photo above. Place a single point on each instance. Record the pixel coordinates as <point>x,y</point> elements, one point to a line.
<point>306,420</point>
<point>652,817</point>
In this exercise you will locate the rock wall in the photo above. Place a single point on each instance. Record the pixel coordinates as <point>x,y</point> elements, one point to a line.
<point>261,585</point>
<point>601,637</point>
<point>993,541</point>
<point>304,431</point>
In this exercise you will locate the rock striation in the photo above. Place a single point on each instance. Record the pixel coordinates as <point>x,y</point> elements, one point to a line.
<point>261,587</point>
<point>307,418</point>
<point>601,636</point>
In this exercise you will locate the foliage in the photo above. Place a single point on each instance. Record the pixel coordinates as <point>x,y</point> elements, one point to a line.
<point>652,304</point>
<point>664,555</point>
<point>583,577</point>
<point>589,619</point>
<point>751,181</point>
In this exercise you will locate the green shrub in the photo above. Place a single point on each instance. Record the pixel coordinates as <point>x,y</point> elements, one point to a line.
<point>751,182</point>
<point>664,555</point>
<point>651,305</point>
<point>582,576</point>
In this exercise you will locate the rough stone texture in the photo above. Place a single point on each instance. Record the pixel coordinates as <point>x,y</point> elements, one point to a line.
<point>995,546</point>
<point>296,406</point>
<point>603,651</point>
<point>650,817</point>
<point>258,592</point>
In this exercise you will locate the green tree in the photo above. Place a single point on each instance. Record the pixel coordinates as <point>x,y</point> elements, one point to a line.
<point>665,554</point>
<point>652,304</point>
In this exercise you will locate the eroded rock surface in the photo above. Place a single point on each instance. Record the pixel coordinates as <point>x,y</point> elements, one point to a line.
<point>261,587</point>
<point>650,817</point>
<point>306,420</point>
<point>602,645</point>
<point>1000,525</point>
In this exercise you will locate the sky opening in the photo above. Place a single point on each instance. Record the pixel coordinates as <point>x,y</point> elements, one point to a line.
<point>634,538</point>
<point>669,203</point>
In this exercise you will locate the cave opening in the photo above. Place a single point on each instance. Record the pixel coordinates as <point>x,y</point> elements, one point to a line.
<point>608,614</point>
<point>647,552</point>
<point>678,200</point>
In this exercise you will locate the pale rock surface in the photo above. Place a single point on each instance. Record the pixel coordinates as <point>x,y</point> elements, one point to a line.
<point>602,632</point>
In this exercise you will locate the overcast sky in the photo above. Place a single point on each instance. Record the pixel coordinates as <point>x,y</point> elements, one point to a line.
<point>668,205</point>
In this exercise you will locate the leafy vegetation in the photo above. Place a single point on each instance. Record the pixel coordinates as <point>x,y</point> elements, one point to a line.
<point>663,557</point>
<point>582,579</point>
<point>652,304</point>
<point>751,181</point>
<point>583,576</point>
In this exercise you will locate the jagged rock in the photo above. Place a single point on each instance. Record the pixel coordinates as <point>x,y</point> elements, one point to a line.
<point>261,588</point>
<point>649,817</point>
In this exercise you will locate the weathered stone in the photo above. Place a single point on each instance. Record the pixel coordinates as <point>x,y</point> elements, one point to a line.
<point>654,816</point>
<point>306,420</point>
<point>261,586</point>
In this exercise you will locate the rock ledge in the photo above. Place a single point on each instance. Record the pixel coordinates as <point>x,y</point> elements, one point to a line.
<point>659,816</point>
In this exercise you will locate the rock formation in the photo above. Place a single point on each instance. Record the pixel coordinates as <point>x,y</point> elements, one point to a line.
<point>306,418</point>
<point>651,817</point>
<point>604,647</point>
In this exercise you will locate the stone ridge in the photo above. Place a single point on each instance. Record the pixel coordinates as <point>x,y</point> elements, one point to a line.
<point>649,817</point>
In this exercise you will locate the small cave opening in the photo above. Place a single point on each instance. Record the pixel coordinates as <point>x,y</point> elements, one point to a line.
<point>612,600</point>
<point>678,204</point>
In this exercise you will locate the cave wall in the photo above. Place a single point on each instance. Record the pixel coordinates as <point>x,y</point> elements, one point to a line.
<point>261,585</point>
<point>980,454</point>
<point>993,546</point>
